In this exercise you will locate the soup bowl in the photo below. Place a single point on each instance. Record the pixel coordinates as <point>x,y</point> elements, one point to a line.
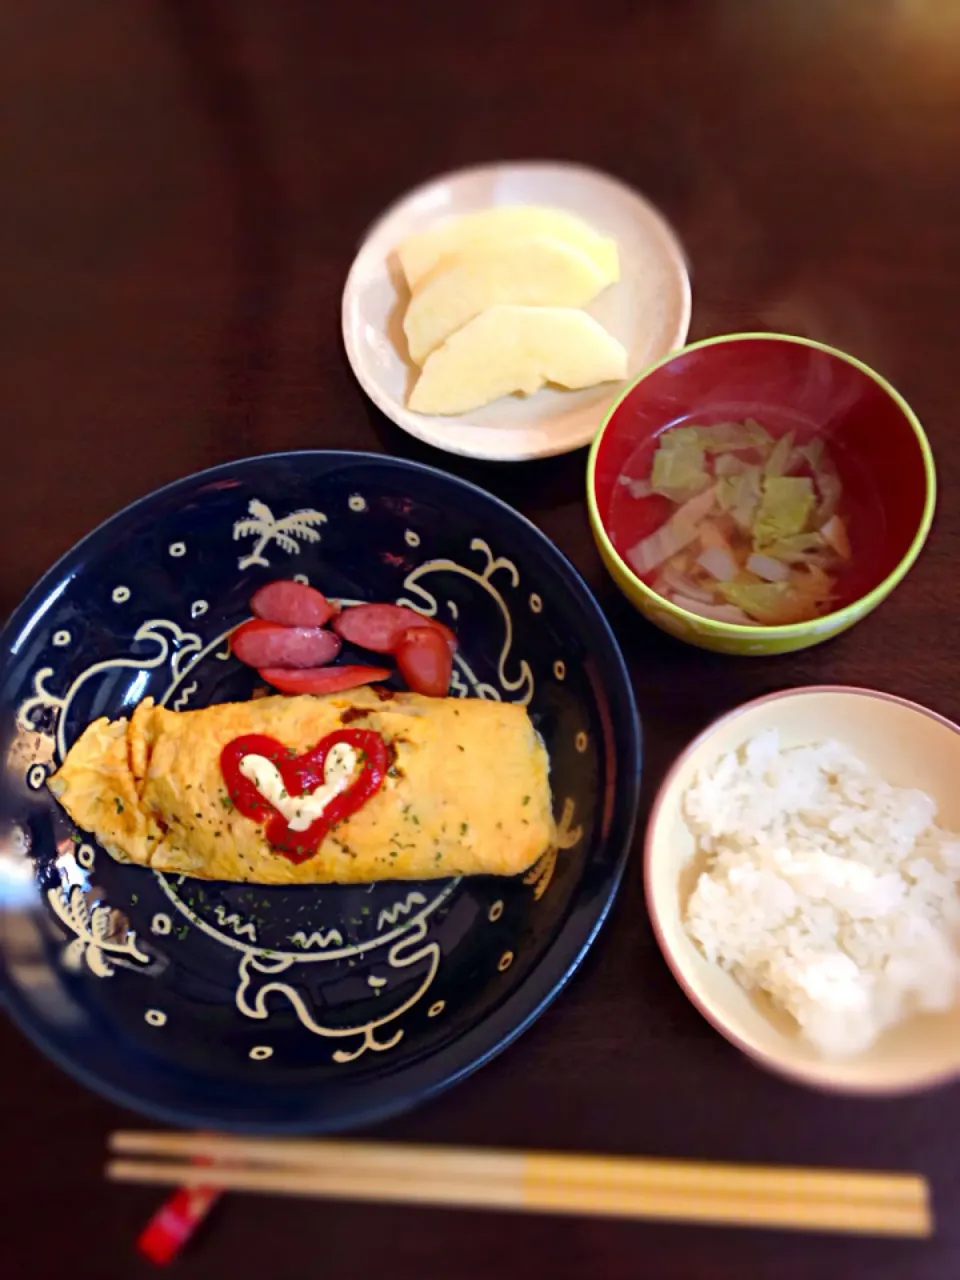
<point>787,384</point>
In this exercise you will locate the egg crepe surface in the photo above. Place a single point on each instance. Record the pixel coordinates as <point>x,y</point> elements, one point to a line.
<point>468,791</point>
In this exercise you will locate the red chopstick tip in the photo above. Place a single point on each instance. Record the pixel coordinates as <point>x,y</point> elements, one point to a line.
<point>175,1222</point>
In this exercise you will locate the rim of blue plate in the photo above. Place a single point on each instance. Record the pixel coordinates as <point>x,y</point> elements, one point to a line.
<point>548,977</point>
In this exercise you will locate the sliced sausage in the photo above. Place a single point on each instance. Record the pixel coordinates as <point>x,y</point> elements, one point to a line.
<point>379,627</point>
<point>268,644</point>
<point>322,679</point>
<point>292,604</point>
<point>425,661</point>
<point>448,635</point>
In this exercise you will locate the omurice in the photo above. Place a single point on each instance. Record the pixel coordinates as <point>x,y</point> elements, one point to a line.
<point>342,788</point>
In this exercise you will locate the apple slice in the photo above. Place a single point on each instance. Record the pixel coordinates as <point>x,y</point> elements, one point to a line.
<point>540,271</point>
<point>421,252</point>
<point>513,348</point>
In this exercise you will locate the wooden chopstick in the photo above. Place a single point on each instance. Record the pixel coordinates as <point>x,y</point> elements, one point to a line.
<point>801,1199</point>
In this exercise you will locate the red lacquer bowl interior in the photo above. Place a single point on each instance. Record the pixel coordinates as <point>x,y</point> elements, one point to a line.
<point>786,384</point>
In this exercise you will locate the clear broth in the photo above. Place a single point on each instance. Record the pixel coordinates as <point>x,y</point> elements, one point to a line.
<point>631,519</point>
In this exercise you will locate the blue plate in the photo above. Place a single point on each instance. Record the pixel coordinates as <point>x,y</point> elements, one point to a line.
<point>307,1008</point>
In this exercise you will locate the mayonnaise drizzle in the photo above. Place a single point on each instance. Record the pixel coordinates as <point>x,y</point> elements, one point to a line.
<point>300,811</point>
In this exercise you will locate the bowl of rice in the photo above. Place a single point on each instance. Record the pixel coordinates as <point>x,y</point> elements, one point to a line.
<point>802,867</point>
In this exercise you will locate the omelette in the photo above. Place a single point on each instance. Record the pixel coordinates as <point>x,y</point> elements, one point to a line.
<point>342,788</point>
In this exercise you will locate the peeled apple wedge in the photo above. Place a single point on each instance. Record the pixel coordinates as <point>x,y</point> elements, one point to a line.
<point>516,348</point>
<point>537,272</point>
<point>421,252</point>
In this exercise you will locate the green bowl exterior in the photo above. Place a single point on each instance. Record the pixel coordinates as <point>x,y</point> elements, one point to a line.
<point>759,641</point>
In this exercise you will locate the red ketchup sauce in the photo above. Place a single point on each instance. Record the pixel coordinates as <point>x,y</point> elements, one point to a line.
<point>302,774</point>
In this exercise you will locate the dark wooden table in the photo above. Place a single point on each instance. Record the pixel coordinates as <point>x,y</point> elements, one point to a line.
<point>184,187</point>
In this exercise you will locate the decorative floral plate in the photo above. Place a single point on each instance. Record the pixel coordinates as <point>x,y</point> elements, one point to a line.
<point>309,1007</point>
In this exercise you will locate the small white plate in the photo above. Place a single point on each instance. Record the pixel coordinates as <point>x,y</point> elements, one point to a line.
<point>648,309</point>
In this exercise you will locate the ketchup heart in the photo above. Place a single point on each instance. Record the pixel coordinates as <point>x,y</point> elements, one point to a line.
<point>302,774</point>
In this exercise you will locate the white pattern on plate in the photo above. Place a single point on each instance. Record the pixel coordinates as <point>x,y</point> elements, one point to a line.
<point>36,776</point>
<point>183,650</point>
<point>254,1002</point>
<point>287,533</point>
<point>231,920</point>
<point>95,941</point>
<point>541,873</point>
<point>390,915</point>
<point>320,938</point>
<point>427,604</point>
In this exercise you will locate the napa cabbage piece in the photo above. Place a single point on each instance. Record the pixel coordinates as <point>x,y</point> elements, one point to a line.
<point>719,563</point>
<point>768,567</point>
<point>679,467</point>
<point>755,529</point>
<point>739,496</point>
<point>718,612</point>
<point>773,603</point>
<point>728,437</point>
<point>728,464</point>
<point>674,535</point>
<point>811,453</point>
<point>834,532</point>
<point>676,581</point>
<point>759,433</point>
<point>778,463</point>
<point>786,506</point>
<point>806,595</point>
<point>722,437</point>
<point>636,488</point>
<point>798,548</point>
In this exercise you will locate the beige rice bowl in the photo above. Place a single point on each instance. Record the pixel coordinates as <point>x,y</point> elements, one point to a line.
<point>819,883</point>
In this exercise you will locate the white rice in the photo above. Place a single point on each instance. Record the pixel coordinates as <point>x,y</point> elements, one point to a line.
<point>826,887</point>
